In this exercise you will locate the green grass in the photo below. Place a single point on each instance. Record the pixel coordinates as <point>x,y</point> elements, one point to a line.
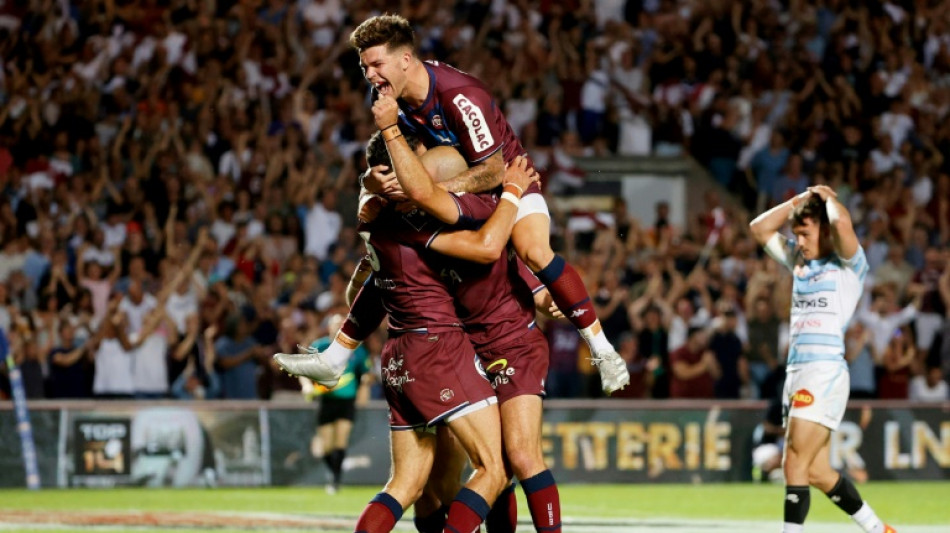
<point>921,503</point>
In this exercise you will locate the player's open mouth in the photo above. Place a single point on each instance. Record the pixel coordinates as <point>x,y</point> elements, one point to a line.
<point>383,88</point>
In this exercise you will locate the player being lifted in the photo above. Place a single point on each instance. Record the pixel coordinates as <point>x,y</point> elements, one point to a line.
<point>829,266</point>
<point>444,106</point>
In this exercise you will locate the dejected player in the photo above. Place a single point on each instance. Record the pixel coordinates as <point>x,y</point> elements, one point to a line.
<point>829,266</point>
<point>447,107</point>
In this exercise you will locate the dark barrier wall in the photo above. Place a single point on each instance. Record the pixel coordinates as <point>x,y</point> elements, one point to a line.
<point>254,443</point>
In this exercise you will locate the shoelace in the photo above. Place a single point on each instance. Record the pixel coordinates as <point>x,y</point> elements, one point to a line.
<point>309,350</point>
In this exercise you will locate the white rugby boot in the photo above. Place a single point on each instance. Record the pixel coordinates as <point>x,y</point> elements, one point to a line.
<point>310,364</point>
<point>613,371</point>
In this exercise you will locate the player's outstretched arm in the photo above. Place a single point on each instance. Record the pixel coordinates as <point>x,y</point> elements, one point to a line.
<point>842,231</point>
<point>412,175</point>
<point>487,244</point>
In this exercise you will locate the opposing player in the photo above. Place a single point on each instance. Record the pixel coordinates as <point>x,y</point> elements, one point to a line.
<point>829,267</point>
<point>446,107</point>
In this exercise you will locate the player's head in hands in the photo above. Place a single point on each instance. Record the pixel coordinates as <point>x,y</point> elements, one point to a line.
<point>811,228</point>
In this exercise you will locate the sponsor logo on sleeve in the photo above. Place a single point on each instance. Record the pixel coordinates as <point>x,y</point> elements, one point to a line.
<point>802,398</point>
<point>475,123</point>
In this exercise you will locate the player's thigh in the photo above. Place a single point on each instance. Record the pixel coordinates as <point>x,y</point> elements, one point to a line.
<point>479,434</point>
<point>521,432</point>
<point>531,237</point>
<point>412,455</point>
<point>804,439</point>
<point>450,460</point>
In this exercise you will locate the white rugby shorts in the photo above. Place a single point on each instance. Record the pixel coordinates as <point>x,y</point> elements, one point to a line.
<point>817,391</point>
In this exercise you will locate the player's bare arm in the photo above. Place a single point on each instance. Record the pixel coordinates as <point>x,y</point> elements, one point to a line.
<point>488,243</point>
<point>359,277</point>
<point>410,172</point>
<point>839,219</point>
<point>482,177</point>
<point>765,227</point>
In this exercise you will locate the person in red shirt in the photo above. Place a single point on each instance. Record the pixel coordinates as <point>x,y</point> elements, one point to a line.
<point>444,106</point>
<point>695,369</point>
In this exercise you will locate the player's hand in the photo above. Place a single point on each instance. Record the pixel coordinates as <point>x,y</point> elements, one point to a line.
<point>379,179</point>
<point>823,191</point>
<point>385,111</point>
<point>519,174</point>
<point>370,207</point>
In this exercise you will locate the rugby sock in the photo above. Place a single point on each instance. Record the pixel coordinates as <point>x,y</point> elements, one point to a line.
<point>336,464</point>
<point>568,291</point>
<point>337,354</point>
<point>797,501</point>
<point>544,501</point>
<point>434,523</point>
<point>503,517</point>
<point>380,516</point>
<point>845,496</point>
<point>467,512</point>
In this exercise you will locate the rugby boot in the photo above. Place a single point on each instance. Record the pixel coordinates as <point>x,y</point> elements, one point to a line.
<point>613,371</point>
<point>310,364</point>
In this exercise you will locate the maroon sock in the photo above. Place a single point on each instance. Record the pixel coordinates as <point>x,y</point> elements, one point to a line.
<point>380,516</point>
<point>503,517</point>
<point>466,513</point>
<point>568,291</point>
<point>543,501</point>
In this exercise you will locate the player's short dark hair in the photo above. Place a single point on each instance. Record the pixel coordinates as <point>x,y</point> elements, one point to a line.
<point>813,208</point>
<point>392,30</point>
<point>377,153</point>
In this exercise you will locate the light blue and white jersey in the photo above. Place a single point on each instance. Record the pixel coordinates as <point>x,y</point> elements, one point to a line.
<point>825,293</point>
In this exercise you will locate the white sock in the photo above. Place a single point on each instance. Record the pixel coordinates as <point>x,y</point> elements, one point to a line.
<point>868,520</point>
<point>789,527</point>
<point>594,335</point>
<point>338,355</point>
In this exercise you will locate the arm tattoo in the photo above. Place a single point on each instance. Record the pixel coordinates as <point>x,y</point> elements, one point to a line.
<point>482,177</point>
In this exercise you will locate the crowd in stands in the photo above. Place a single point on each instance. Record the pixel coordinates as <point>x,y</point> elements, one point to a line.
<point>179,183</point>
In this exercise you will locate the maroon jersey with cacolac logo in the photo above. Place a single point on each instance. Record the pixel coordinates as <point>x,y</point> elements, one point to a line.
<point>459,111</point>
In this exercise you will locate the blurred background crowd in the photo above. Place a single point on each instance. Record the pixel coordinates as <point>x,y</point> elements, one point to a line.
<point>179,184</point>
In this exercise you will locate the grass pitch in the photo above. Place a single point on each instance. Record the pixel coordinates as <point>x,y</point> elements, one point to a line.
<point>589,507</point>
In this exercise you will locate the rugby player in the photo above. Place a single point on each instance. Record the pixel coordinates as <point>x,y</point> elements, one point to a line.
<point>446,107</point>
<point>829,267</point>
<point>429,370</point>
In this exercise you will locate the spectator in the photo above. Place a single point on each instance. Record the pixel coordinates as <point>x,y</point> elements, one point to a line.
<point>694,368</point>
<point>862,361</point>
<point>237,356</point>
<point>70,371</point>
<point>899,356</point>
<point>640,368</point>
<point>929,386</point>
<point>762,352</point>
<point>730,359</point>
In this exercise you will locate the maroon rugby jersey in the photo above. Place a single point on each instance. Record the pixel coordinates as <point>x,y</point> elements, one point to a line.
<point>495,301</point>
<point>411,278</point>
<point>460,111</point>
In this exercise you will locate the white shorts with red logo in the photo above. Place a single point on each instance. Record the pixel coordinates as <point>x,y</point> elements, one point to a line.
<point>817,391</point>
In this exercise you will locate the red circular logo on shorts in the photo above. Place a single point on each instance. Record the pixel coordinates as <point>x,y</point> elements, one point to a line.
<point>446,395</point>
<point>802,398</point>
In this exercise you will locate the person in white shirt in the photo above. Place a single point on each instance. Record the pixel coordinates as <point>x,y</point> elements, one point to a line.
<point>829,268</point>
<point>322,225</point>
<point>929,387</point>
